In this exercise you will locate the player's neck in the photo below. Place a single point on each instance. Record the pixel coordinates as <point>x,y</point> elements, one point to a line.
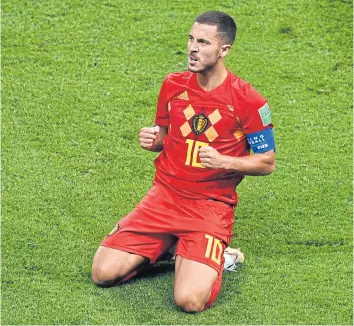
<point>213,78</point>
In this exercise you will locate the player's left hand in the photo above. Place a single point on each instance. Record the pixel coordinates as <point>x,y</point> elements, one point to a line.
<point>210,158</point>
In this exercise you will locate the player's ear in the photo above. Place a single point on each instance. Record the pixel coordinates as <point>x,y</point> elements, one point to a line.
<point>225,49</point>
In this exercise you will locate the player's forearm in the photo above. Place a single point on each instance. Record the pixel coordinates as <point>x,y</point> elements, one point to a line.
<point>156,147</point>
<point>255,164</point>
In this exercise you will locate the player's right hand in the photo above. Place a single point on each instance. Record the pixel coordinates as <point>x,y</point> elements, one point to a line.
<point>147,136</point>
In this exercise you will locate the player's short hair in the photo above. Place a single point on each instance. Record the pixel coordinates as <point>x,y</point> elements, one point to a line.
<point>226,25</point>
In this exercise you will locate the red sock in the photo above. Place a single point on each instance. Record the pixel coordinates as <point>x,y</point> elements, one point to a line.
<point>214,291</point>
<point>136,271</point>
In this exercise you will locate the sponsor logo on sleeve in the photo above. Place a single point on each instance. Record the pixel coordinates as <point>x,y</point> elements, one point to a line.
<point>258,141</point>
<point>266,115</point>
<point>115,230</point>
<point>261,141</point>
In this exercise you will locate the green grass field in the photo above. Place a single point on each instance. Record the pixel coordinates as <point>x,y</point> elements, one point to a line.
<point>80,78</point>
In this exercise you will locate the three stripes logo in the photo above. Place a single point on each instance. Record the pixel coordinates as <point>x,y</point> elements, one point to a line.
<point>184,96</point>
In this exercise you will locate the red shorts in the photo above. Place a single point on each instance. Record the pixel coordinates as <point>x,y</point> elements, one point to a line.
<point>203,228</point>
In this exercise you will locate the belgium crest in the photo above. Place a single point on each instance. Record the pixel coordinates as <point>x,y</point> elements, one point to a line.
<point>199,123</point>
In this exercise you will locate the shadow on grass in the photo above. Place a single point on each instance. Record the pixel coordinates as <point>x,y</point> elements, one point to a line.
<point>157,269</point>
<point>160,268</point>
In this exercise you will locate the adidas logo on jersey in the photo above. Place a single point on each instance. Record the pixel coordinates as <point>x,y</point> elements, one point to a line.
<point>184,96</point>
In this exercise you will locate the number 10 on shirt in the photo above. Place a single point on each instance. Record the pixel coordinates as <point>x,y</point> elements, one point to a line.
<point>192,152</point>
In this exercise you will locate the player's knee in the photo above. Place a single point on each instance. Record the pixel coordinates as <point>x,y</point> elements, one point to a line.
<point>102,277</point>
<point>190,302</point>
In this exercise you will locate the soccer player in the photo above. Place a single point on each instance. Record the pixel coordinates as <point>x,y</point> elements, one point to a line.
<point>207,122</point>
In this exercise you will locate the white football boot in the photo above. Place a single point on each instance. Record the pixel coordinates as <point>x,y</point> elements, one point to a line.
<point>233,257</point>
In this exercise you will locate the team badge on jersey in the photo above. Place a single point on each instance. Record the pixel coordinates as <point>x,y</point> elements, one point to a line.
<point>199,123</point>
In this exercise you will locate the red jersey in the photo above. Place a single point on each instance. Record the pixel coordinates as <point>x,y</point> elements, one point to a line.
<point>220,118</point>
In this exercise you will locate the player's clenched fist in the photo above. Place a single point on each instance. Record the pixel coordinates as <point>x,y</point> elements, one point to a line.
<point>147,136</point>
<point>211,158</point>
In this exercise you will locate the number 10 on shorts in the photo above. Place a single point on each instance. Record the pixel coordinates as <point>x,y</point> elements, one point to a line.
<point>214,249</point>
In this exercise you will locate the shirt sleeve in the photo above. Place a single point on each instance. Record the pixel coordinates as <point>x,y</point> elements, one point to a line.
<point>162,117</point>
<point>256,113</point>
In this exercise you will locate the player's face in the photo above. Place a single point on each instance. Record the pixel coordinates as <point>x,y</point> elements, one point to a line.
<point>204,48</point>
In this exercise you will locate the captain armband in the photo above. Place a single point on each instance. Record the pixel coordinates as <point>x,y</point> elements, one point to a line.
<point>261,141</point>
